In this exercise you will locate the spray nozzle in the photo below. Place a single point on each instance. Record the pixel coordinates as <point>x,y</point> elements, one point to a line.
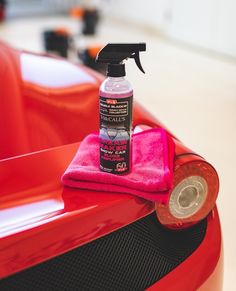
<point>115,53</point>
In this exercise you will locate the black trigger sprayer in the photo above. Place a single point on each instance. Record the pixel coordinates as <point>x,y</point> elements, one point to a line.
<point>116,102</point>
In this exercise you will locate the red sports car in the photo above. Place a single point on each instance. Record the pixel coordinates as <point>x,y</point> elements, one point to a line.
<point>57,238</point>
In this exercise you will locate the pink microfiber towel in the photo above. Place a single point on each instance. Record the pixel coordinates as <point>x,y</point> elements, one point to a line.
<point>152,167</point>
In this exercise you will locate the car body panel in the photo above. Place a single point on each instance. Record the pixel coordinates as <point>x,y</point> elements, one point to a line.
<point>201,265</point>
<point>41,219</point>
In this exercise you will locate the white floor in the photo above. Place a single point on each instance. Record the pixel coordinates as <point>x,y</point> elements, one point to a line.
<point>191,92</point>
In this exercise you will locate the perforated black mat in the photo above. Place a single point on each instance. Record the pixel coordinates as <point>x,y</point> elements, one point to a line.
<point>132,258</point>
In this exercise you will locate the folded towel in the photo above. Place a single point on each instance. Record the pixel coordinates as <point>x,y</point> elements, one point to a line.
<point>152,167</point>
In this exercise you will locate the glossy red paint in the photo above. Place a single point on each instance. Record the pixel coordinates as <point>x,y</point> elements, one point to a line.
<point>39,218</point>
<point>215,280</point>
<point>200,266</point>
<point>37,116</point>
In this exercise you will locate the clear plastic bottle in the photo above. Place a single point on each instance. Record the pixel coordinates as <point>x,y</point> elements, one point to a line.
<point>117,86</point>
<point>115,107</point>
<point>116,99</point>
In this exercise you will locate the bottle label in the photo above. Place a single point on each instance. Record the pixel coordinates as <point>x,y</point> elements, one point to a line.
<point>115,134</point>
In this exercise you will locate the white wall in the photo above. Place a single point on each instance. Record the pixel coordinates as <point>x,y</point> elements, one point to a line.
<point>210,24</point>
<point>149,12</point>
<point>192,21</point>
<point>23,8</point>
<point>225,40</point>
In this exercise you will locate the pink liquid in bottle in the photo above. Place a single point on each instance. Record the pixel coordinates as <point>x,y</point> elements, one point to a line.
<point>116,100</point>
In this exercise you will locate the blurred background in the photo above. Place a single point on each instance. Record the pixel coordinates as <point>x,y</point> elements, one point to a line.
<point>190,64</point>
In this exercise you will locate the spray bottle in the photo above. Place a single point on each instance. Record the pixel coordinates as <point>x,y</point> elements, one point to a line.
<point>116,100</point>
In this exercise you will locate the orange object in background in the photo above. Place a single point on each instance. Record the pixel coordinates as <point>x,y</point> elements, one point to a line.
<point>89,16</point>
<point>93,51</point>
<point>77,12</point>
<point>62,31</point>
